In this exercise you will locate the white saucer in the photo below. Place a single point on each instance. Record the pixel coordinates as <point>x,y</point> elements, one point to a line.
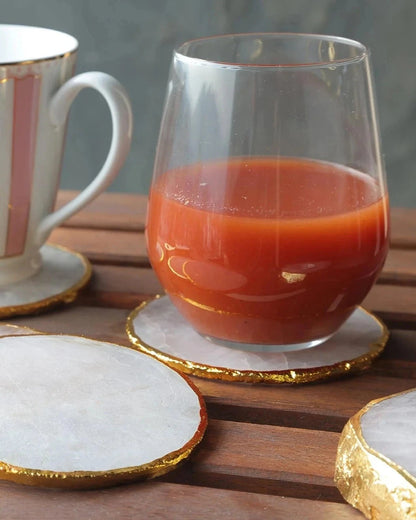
<point>81,413</point>
<point>157,328</point>
<point>62,275</point>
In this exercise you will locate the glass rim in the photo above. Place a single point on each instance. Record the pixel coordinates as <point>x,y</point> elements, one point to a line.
<point>363,51</point>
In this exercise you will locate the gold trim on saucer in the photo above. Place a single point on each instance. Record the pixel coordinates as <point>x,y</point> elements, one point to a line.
<point>368,480</point>
<point>110,477</point>
<point>291,376</point>
<point>66,296</point>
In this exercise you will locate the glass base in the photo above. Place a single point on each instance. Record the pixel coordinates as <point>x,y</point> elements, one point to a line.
<point>257,347</point>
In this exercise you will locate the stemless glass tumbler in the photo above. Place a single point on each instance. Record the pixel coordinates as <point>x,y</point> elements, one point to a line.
<point>268,211</point>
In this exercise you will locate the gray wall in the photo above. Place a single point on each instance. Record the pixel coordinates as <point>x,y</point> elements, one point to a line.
<point>133,40</point>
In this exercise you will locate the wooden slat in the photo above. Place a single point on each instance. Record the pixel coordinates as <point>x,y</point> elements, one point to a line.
<point>265,459</point>
<point>117,211</point>
<point>104,247</point>
<point>401,346</point>
<point>400,267</point>
<point>394,304</point>
<point>120,287</point>
<point>157,500</point>
<point>94,322</point>
<point>403,227</point>
<point>326,406</point>
<point>135,280</point>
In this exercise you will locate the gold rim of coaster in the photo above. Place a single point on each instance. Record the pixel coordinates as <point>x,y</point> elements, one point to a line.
<point>287,376</point>
<point>367,479</point>
<point>114,476</point>
<point>68,295</point>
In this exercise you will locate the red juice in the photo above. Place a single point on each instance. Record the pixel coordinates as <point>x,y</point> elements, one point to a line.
<point>267,250</point>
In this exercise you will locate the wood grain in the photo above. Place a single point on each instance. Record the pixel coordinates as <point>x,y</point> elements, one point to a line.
<point>160,500</point>
<point>400,267</point>
<point>103,246</point>
<point>116,211</point>
<point>265,459</point>
<point>403,228</point>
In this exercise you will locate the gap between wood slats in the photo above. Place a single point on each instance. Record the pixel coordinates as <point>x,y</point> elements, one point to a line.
<point>264,459</point>
<point>325,406</point>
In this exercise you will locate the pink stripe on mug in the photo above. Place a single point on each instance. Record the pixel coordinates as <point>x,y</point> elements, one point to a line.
<point>25,117</point>
<point>37,65</point>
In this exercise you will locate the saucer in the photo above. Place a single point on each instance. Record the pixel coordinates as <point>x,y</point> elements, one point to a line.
<point>157,328</point>
<point>80,413</point>
<point>62,275</point>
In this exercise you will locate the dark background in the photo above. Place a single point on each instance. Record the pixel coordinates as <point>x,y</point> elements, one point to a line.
<point>133,40</point>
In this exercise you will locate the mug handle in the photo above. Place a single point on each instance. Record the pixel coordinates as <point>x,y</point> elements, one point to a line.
<point>122,122</point>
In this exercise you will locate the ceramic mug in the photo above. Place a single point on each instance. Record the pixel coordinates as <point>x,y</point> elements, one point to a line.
<point>37,87</point>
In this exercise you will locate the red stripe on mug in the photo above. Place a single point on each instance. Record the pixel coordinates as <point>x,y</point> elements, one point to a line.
<point>25,116</point>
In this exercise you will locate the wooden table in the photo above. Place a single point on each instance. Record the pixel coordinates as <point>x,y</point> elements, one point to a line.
<point>269,451</point>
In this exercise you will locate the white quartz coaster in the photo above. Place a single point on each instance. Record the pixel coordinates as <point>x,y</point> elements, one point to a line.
<point>76,412</point>
<point>158,329</point>
<point>376,462</point>
<point>389,427</point>
<point>62,275</point>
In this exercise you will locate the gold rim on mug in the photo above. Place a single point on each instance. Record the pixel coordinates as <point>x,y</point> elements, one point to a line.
<point>111,477</point>
<point>23,63</point>
<point>66,296</point>
<point>287,376</point>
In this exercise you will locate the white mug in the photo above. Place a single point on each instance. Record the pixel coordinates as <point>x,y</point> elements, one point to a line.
<point>37,87</point>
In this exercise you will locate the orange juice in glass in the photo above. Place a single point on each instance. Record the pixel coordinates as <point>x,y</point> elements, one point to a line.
<point>268,211</point>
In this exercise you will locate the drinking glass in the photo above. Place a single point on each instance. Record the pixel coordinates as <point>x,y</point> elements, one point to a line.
<point>268,210</point>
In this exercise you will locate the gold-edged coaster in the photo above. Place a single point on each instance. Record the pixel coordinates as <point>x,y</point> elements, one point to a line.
<point>157,328</point>
<point>62,275</point>
<point>81,413</point>
<point>376,460</point>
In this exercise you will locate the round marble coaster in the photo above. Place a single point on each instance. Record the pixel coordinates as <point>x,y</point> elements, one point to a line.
<point>62,275</point>
<point>80,413</point>
<point>157,328</point>
<point>376,460</point>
